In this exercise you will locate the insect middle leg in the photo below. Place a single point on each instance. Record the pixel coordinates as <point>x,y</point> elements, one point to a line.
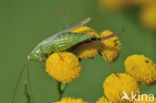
<point>58,52</point>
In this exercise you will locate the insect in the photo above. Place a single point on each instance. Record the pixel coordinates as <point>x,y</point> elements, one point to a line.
<point>58,42</point>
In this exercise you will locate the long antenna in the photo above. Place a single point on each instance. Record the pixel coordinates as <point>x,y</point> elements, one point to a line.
<point>19,78</point>
<point>29,82</point>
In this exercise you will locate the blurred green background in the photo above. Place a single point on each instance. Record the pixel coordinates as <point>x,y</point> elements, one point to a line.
<point>24,23</point>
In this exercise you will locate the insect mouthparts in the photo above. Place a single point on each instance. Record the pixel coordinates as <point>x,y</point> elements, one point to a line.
<point>29,56</point>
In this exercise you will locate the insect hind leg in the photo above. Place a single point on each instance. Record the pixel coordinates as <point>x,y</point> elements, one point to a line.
<point>109,64</point>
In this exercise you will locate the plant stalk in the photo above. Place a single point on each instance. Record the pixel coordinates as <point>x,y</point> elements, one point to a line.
<point>61,89</point>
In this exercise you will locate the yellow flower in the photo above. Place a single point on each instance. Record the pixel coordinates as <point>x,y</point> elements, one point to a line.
<point>87,49</point>
<point>115,85</point>
<point>111,47</point>
<point>63,66</point>
<point>103,100</point>
<point>141,68</point>
<point>144,2</point>
<point>145,99</point>
<point>71,100</point>
<point>115,5</point>
<point>148,16</point>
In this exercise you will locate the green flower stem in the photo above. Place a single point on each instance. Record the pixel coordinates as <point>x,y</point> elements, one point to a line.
<point>61,89</point>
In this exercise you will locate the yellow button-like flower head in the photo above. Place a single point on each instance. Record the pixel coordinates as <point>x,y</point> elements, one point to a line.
<point>103,100</point>
<point>114,86</point>
<point>144,3</point>
<point>71,100</point>
<point>87,49</point>
<point>63,66</point>
<point>111,47</point>
<point>141,68</point>
<point>148,16</point>
<point>115,5</point>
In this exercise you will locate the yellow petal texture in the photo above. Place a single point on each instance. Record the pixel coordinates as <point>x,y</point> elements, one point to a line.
<point>145,99</point>
<point>115,85</point>
<point>71,100</point>
<point>87,49</point>
<point>63,66</point>
<point>103,100</point>
<point>111,47</point>
<point>148,16</point>
<point>141,68</point>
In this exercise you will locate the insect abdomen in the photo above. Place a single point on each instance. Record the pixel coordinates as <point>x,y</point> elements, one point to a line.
<point>62,42</point>
<point>66,41</point>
